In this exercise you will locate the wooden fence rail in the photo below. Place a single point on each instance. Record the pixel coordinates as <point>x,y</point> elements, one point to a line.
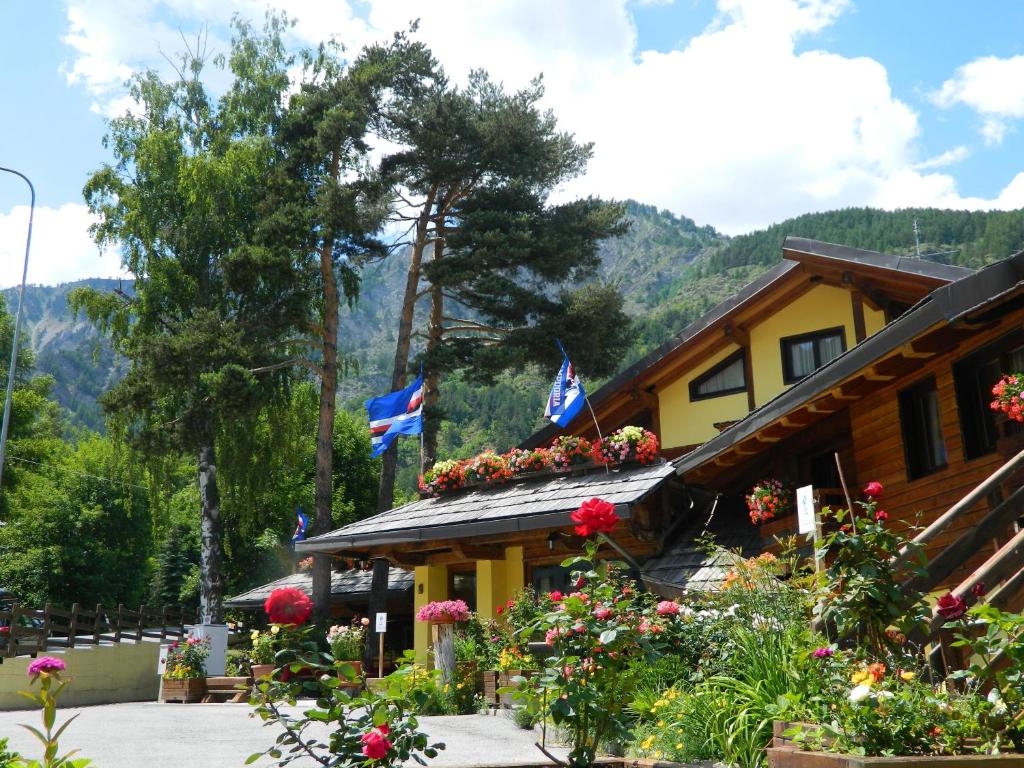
<point>29,631</point>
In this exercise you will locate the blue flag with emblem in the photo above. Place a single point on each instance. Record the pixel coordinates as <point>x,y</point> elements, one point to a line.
<point>300,525</point>
<point>567,396</point>
<point>394,414</point>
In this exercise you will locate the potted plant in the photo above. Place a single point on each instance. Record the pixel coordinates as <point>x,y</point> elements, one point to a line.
<point>347,644</point>
<point>521,461</point>
<point>261,656</point>
<point>184,676</point>
<point>488,467</point>
<point>625,445</point>
<point>442,615</point>
<point>570,450</point>
<point>767,500</point>
<point>444,476</point>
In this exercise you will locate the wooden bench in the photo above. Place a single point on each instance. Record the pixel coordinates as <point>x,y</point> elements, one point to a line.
<point>231,689</point>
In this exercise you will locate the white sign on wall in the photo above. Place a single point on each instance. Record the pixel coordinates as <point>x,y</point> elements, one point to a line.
<point>805,508</point>
<point>382,623</point>
<point>161,664</point>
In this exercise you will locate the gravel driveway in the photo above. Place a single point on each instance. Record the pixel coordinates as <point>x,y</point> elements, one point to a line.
<point>153,735</point>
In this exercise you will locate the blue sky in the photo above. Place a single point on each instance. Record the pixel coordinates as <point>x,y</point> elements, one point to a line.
<point>737,113</point>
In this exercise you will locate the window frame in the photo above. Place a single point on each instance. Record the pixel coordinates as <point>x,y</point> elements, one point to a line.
<point>737,356</point>
<point>915,470</point>
<point>814,336</point>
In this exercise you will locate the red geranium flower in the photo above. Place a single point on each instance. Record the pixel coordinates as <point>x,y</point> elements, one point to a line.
<point>556,596</point>
<point>594,516</point>
<point>952,607</point>
<point>288,605</point>
<point>874,490</point>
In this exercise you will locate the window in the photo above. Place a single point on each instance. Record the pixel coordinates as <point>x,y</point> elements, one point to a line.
<point>803,355</point>
<point>726,378</point>
<point>974,377</point>
<point>462,586</point>
<point>923,445</point>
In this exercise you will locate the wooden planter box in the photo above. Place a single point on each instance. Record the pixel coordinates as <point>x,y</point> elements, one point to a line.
<point>187,691</point>
<point>784,754</point>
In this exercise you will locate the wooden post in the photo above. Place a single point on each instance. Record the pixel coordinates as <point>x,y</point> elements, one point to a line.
<point>380,655</point>
<point>44,633</point>
<point>120,622</point>
<point>73,625</point>
<point>444,651</point>
<point>96,624</point>
<point>378,604</point>
<point>142,622</point>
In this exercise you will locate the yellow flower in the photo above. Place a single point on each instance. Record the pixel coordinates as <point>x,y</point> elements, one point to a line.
<point>254,634</point>
<point>679,745</point>
<point>908,676</point>
<point>661,723</point>
<point>658,754</point>
<point>861,678</point>
<point>275,629</point>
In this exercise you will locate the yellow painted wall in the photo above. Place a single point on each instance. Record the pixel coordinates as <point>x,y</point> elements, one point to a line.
<point>490,587</point>
<point>824,306</point>
<point>431,585</point>
<point>104,675</point>
<point>688,423</point>
<point>515,570</point>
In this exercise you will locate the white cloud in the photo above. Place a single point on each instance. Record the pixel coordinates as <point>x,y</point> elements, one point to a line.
<point>736,128</point>
<point>61,250</point>
<point>992,87</point>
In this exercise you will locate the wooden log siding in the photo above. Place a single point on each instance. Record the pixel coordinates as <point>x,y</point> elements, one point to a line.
<point>878,453</point>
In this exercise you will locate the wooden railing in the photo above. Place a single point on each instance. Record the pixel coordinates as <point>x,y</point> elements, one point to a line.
<point>26,631</point>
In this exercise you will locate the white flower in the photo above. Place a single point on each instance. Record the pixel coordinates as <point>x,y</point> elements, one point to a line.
<point>998,705</point>
<point>860,693</point>
<point>885,694</point>
<point>732,610</point>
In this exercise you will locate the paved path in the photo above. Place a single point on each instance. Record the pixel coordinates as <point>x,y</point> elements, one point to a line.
<point>152,735</point>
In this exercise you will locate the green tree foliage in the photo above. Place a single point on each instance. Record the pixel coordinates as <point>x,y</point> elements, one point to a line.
<point>176,558</point>
<point>216,293</point>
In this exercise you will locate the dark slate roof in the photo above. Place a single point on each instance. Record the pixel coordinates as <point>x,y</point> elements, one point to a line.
<point>344,584</point>
<point>839,253</point>
<point>968,296</point>
<point>521,505</point>
<point>686,565</point>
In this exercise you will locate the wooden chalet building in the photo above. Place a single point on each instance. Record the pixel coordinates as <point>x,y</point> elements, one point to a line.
<point>700,393</point>
<point>820,301</point>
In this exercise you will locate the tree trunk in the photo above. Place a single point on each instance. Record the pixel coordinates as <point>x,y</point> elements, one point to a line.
<point>432,379</point>
<point>323,521</point>
<point>211,579</point>
<point>386,493</point>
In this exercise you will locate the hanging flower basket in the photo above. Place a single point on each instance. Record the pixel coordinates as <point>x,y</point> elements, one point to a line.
<point>1009,396</point>
<point>767,500</point>
<point>626,445</point>
<point>443,476</point>
<point>570,450</point>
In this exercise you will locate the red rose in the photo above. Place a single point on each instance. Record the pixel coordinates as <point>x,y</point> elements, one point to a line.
<point>288,605</point>
<point>375,743</point>
<point>979,589</point>
<point>874,490</point>
<point>501,609</point>
<point>594,516</point>
<point>881,516</point>
<point>510,604</point>
<point>952,607</point>
<point>556,596</point>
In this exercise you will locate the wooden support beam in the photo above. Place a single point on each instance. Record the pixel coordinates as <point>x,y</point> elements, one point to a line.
<point>479,551</point>
<point>859,327</point>
<point>407,559</point>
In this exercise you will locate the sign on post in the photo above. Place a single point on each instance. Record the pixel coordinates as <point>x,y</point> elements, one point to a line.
<point>807,518</point>
<point>381,627</point>
<point>161,664</point>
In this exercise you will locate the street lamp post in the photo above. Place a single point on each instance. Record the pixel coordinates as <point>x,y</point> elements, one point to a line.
<point>17,327</point>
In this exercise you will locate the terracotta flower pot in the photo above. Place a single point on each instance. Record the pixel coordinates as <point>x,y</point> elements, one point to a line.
<point>357,667</point>
<point>262,670</point>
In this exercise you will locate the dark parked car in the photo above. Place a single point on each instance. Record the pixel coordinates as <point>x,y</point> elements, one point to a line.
<point>7,600</point>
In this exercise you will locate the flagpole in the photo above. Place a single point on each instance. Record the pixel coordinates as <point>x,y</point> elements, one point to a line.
<point>586,399</point>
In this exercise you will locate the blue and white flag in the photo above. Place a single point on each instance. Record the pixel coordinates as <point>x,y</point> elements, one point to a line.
<point>301,521</point>
<point>394,414</point>
<point>567,396</point>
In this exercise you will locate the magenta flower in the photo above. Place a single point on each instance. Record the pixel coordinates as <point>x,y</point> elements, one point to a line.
<point>823,653</point>
<point>46,665</point>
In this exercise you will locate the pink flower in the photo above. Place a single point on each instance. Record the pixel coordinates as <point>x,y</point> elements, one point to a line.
<point>595,516</point>
<point>376,743</point>
<point>551,636</point>
<point>288,605</point>
<point>602,614</point>
<point>667,608</point>
<point>47,665</point>
<point>951,607</point>
<point>444,610</point>
<point>556,596</point>
<point>881,516</point>
<point>874,490</point>
<point>823,653</point>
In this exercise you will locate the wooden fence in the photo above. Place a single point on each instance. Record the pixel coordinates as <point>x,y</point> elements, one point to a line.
<point>29,631</point>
